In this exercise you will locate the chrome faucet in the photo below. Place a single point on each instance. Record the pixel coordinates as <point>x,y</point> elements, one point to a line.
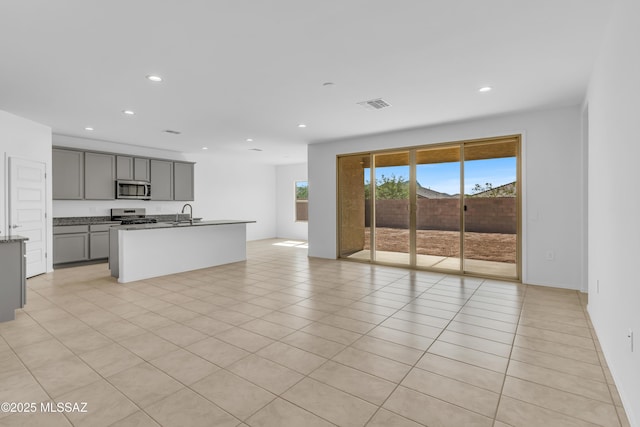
<point>190,211</point>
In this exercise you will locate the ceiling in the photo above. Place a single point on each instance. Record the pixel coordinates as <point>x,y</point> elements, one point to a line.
<point>239,69</point>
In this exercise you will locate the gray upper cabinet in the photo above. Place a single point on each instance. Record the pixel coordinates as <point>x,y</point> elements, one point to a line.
<point>86,175</point>
<point>100,176</point>
<point>183,181</point>
<point>68,174</point>
<point>141,170</point>
<point>132,168</point>
<point>161,180</point>
<point>124,167</point>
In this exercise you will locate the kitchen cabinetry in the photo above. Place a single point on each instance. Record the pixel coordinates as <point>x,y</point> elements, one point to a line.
<point>68,175</point>
<point>13,290</point>
<point>161,180</point>
<point>80,175</point>
<point>70,243</point>
<point>99,241</point>
<point>141,169</point>
<point>75,243</point>
<point>100,176</point>
<point>124,167</point>
<point>183,181</point>
<point>132,168</point>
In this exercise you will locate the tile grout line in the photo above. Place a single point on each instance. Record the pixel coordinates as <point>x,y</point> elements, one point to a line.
<point>504,379</point>
<point>420,358</point>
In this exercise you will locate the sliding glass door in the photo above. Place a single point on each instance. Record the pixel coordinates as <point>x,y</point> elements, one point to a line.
<point>437,191</point>
<point>390,222</point>
<point>447,207</point>
<point>491,208</point>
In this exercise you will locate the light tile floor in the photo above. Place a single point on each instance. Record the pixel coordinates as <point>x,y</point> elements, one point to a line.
<point>285,340</point>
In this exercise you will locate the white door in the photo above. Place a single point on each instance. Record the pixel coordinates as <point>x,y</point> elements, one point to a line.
<point>27,210</point>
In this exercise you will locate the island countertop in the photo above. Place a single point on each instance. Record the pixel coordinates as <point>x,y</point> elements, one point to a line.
<point>180,224</point>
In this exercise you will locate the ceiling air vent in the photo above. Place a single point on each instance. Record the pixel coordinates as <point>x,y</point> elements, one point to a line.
<point>375,104</point>
<point>173,132</point>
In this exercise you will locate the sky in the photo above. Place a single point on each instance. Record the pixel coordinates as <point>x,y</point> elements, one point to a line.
<point>445,177</point>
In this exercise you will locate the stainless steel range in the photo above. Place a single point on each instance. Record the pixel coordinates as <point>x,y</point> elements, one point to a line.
<point>129,216</point>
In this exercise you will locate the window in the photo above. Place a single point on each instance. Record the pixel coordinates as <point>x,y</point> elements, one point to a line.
<point>302,201</point>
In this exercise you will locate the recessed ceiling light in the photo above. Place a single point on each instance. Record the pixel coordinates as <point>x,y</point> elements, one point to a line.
<point>485,89</point>
<point>328,84</point>
<point>128,112</point>
<point>171,131</point>
<point>255,149</point>
<point>154,78</point>
<point>249,139</point>
<point>302,125</point>
<point>89,128</point>
<point>205,148</point>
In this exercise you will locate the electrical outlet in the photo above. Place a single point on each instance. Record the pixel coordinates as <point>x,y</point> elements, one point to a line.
<point>551,256</point>
<point>630,336</point>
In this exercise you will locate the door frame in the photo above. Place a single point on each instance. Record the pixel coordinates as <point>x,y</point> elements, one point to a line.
<point>520,201</point>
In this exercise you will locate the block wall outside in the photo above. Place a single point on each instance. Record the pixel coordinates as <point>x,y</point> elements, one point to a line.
<point>483,215</point>
<point>302,211</point>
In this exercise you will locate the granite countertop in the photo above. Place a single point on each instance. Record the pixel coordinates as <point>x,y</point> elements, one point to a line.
<point>180,224</point>
<point>89,220</point>
<point>83,220</point>
<point>11,239</point>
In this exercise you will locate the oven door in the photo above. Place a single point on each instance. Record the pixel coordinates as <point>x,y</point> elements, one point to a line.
<point>133,190</point>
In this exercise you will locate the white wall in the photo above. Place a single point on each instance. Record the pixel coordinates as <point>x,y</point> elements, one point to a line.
<point>287,226</point>
<point>232,188</point>
<point>30,140</point>
<point>225,188</point>
<point>551,181</point>
<point>614,206</point>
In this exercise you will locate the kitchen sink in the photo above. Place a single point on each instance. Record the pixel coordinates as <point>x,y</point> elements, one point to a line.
<point>185,222</point>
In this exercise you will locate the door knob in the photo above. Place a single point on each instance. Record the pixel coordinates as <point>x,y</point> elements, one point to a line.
<point>15,226</point>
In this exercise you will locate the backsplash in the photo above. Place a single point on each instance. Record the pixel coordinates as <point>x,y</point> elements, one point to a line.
<point>91,208</point>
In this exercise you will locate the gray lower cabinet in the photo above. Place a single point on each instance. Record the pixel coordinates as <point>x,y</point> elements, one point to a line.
<point>99,245</point>
<point>100,176</point>
<point>99,241</point>
<point>68,174</point>
<point>183,181</point>
<point>70,243</point>
<point>161,180</point>
<point>77,243</point>
<point>13,290</point>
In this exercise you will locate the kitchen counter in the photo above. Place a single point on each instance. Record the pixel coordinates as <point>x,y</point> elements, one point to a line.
<point>180,224</point>
<point>143,251</point>
<point>91,220</point>
<point>83,220</point>
<point>11,239</point>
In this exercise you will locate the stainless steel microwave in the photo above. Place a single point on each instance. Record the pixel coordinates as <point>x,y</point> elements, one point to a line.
<point>140,190</point>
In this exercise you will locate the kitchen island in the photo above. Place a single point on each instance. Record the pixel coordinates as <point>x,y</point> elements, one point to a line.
<point>142,251</point>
